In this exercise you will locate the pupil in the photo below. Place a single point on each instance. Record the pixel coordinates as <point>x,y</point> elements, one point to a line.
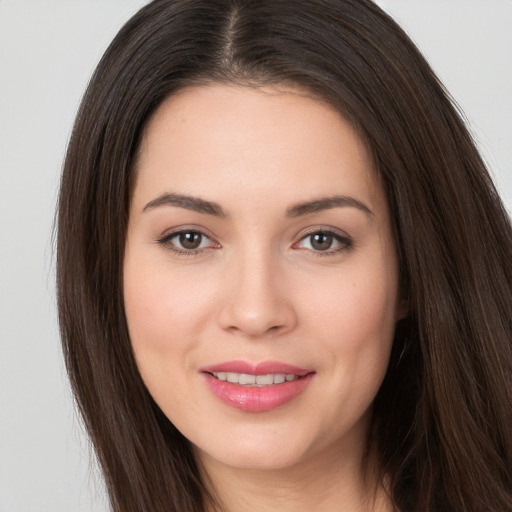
<point>321,241</point>
<point>190,240</point>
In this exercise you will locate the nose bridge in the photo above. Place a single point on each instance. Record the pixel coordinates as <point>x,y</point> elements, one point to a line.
<point>256,302</point>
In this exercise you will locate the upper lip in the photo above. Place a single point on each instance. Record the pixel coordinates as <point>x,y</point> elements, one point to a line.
<point>263,368</point>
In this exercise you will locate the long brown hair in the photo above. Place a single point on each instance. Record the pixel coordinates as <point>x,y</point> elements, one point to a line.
<point>442,418</point>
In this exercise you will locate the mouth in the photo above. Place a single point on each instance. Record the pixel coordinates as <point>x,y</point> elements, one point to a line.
<point>247,379</point>
<point>256,388</point>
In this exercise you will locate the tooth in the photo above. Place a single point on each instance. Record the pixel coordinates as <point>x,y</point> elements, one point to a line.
<point>232,377</point>
<point>264,380</point>
<point>245,378</point>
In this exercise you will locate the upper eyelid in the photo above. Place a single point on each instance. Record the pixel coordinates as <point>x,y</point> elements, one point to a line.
<point>166,238</point>
<point>174,234</point>
<point>336,236</point>
<point>339,233</point>
<point>169,233</point>
<point>346,241</point>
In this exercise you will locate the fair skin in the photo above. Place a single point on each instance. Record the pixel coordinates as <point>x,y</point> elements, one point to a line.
<point>292,260</point>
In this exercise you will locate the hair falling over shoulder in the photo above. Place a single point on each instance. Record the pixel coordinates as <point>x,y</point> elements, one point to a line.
<point>442,419</point>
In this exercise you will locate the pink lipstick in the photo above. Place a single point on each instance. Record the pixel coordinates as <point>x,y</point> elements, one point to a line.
<point>256,387</point>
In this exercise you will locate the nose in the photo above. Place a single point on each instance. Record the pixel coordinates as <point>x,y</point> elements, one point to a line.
<point>256,302</point>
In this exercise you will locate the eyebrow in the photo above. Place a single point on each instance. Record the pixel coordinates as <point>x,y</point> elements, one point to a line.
<point>301,209</point>
<point>188,202</point>
<point>326,203</point>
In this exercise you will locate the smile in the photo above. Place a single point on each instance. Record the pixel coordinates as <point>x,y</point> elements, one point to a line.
<point>259,387</point>
<point>246,379</point>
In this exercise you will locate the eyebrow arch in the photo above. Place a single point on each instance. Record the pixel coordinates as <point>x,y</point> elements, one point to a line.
<point>326,203</point>
<point>188,202</point>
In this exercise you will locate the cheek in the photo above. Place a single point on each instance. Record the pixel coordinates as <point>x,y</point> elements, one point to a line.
<point>153,293</point>
<point>165,312</point>
<point>356,307</point>
<point>359,312</point>
<point>165,317</point>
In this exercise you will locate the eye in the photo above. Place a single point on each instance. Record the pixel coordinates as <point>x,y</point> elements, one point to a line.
<point>324,241</point>
<point>187,241</point>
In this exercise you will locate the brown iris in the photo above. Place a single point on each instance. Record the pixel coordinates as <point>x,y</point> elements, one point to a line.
<point>190,240</point>
<point>321,241</point>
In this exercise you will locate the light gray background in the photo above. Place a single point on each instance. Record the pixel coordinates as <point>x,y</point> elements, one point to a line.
<point>48,49</point>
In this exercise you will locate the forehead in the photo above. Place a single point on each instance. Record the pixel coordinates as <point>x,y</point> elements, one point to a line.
<point>226,140</point>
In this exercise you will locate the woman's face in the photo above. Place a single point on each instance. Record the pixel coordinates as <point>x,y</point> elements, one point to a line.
<point>260,275</point>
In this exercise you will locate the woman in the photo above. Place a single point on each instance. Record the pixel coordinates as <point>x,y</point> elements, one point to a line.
<point>283,270</point>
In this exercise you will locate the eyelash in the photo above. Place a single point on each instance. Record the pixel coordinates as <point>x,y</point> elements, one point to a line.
<point>345,242</point>
<point>166,241</point>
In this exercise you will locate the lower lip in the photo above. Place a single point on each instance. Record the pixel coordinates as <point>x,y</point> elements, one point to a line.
<point>254,398</point>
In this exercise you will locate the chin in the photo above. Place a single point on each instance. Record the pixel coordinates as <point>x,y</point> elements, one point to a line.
<point>272,450</point>
<point>258,458</point>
